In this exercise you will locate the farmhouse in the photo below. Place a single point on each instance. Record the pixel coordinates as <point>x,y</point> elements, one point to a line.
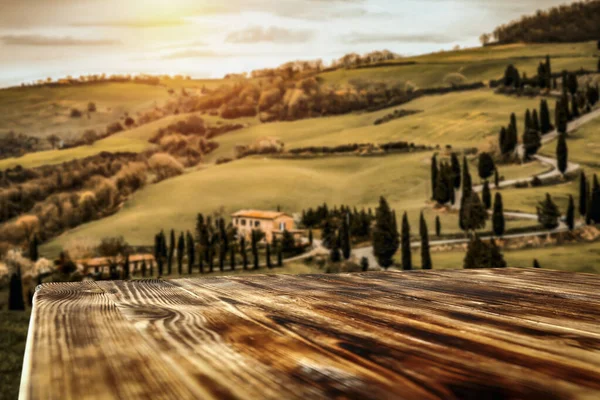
<point>272,223</point>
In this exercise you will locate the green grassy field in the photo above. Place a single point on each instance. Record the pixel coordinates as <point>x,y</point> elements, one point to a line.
<point>579,257</point>
<point>265,183</point>
<point>13,328</point>
<point>476,64</point>
<point>461,119</point>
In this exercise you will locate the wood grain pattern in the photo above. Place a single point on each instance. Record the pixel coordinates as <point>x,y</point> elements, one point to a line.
<point>509,333</point>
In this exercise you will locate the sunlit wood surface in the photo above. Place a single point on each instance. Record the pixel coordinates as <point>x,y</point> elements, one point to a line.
<point>477,334</point>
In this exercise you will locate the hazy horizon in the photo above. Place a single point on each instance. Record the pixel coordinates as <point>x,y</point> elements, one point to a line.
<point>56,38</point>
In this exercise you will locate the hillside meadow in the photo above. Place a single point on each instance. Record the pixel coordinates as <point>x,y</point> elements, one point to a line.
<point>475,64</point>
<point>265,183</point>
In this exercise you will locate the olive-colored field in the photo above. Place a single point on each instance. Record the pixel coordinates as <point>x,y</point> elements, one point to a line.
<point>476,64</point>
<point>13,335</point>
<point>265,183</point>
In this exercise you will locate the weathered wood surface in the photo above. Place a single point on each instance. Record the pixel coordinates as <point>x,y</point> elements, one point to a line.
<point>509,333</point>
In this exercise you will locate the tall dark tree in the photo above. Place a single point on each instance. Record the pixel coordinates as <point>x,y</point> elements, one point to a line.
<point>498,216</point>
<point>180,253</point>
<point>532,141</point>
<point>536,263</point>
<point>483,255</point>
<point>583,194</point>
<point>232,257</point>
<point>594,205</point>
<point>572,83</point>
<point>528,120</point>
<point>472,213</point>
<point>268,256</point>
<point>385,235</point>
<point>570,218</point>
<point>33,248</point>
<point>535,121</point>
<point>126,267</point>
<point>545,125</point>
<point>158,252</point>
<point>15,292</point>
<point>334,254</point>
<point>345,236</point>
<point>406,250</point>
<point>172,245</point>
<point>434,175</point>
<point>144,268</point>
<point>444,187</point>
<point>467,188</point>
<point>548,213</point>
<point>503,140</point>
<point>280,256</point>
<point>438,226</point>
<point>191,252</point>
<point>310,237</point>
<point>486,195</point>
<point>486,165</point>
<point>561,117</point>
<point>364,264</point>
<point>456,171</point>
<point>222,256</point>
<point>328,234</point>
<point>243,252</point>
<point>425,251</point>
<point>575,108</point>
<point>562,153</point>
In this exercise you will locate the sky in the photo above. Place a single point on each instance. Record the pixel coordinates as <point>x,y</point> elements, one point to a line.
<point>208,39</point>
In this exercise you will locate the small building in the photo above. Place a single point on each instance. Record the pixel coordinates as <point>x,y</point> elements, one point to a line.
<point>272,223</point>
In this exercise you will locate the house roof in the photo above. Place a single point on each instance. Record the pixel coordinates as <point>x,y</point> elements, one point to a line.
<point>103,261</point>
<point>258,214</point>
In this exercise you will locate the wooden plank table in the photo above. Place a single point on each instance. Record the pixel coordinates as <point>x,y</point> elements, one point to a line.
<point>477,334</point>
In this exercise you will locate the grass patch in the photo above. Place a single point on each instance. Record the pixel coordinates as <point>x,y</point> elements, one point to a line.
<point>13,336</point>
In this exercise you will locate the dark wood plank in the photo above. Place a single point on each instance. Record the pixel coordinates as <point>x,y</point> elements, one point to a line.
<point>422,334</point>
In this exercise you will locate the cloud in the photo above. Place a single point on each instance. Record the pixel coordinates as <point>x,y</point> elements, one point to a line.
<point>271,34</point>
<point>39,40</point>
<point>193,54</point>
<point>365,38</point>
<point>133,23</point>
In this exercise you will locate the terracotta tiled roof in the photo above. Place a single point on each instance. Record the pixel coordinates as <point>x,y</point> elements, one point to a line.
<point>103,261</point>
<point>259,214</point>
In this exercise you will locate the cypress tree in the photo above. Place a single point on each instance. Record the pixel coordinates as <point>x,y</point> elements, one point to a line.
<point>151,269</point>
<point>548,213</point>
<point>574,107</point>
<point>545,125</point>
<point>33,248</point>
<point>514,131</point>
<point>268,256</point>
<point>562,153</point>
<point>498,216</point>
<point>279,256</point>
<point>345,232</point>
<point>15,292</point>
<point>256,260</point>
<point>232,257</point>
<point>172,245</point>
<point>455,170</point>
<point>561,117</point>
<point>486,166</point>
<point>328,234</point>
<point>486,195</point>
<point>222,255</point>
<point>571,214</point>
<point>438,226</point>
<point>503,140</point>
<point>528,121</point>
<point>594,206</point>
<point>406,250</point>
<point>483,255</point>
<point>144,268</point>
<point>425,253</point>
<point>434,175</point>
<point>536,264</point>
<point>535,121</point>
<point>532,141</point>
<point>473,214</point>
<point>211,257</point>
<point>583,194</point>
<point>385,234</point>
<point>191,252</point>
<point>444,186</point>
<point>572,83</point>
<point>364,264</point>
<point>180,253</point>
<point>126,267</point>
<point>244,253</point>
<point>466,178</point>
<point>310,237</point>
<point>548,71</point>
<point>334,254</point>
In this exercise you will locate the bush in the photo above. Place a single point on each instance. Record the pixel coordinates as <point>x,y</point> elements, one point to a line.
<point>455,79</point>
<point>114,128</point>
<point>164,166</point>
<point>75,113</point>
<point>91,107</point>
<point>129,122</point>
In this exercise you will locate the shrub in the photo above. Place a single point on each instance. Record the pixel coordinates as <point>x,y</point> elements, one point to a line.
<point>455,79</point>
<point>91,107</point>
<point>89,136</point>
<point>75,113</point>
<point>114,128</point>
<point>164,166</point>
<point>129,122</point>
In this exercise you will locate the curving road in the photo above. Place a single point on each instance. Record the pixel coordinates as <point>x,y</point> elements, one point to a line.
<point>553,173</point>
